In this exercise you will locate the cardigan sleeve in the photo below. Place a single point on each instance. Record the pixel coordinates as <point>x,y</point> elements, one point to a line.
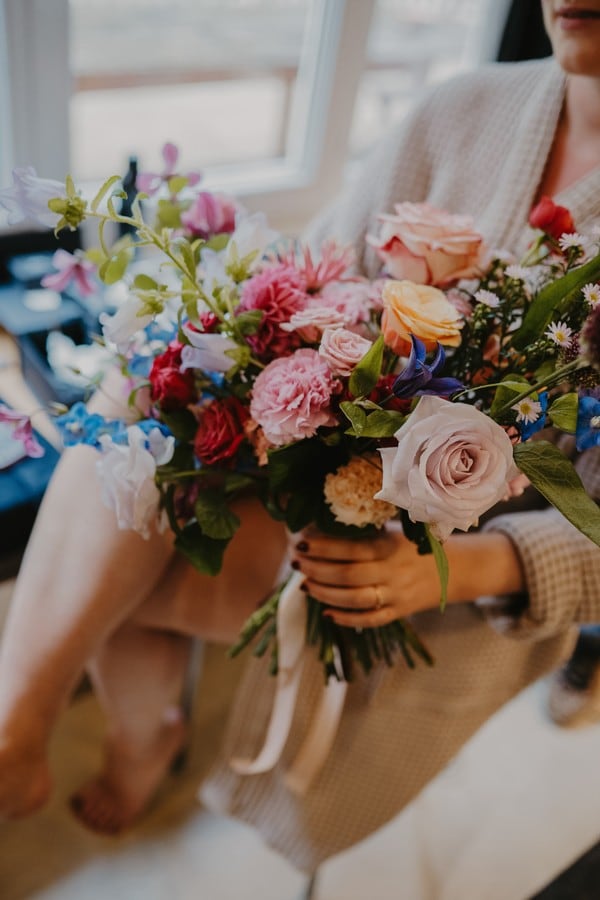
<point>561,568</point>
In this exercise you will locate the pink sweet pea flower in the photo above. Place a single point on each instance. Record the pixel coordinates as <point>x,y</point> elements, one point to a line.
<point>22,430</point>
<point>150,182</point>
<point>27,199</point>
<point>71,267</point>
<point>209,214</point>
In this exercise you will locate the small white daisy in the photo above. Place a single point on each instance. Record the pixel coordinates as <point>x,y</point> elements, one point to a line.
<point>519,273</point>
<point>566,241</point>
<point>591,292</point>
<point>528,410</point>
<point>560,334</point>
<point>488,298</point>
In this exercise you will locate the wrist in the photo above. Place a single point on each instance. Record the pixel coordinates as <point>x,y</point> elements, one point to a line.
<point>482,564</point>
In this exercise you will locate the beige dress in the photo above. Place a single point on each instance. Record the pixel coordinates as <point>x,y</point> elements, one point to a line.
<point>476,145</point>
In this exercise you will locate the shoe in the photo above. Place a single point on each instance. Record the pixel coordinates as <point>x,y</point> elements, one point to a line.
<point>574,698</point>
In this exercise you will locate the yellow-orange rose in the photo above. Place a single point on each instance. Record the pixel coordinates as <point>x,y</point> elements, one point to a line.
<point>420,310</point>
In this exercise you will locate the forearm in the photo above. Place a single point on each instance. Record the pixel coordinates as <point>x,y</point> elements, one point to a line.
<point>482,564</point>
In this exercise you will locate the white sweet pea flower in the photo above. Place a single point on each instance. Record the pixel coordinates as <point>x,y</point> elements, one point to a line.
<point>127,480</point>
<point>125,323</point>
<point>212,269</point>
<point>161,446</point>
<point>27,199</point>
<point>208,351</point>
<point>251,233</point>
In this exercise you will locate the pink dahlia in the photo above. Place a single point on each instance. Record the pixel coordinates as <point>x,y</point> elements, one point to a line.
<point>334,263</point>
<point>278,291</point>
<point>291,397</point>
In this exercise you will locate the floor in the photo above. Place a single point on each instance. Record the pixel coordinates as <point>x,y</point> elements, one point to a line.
<point>514,810</point>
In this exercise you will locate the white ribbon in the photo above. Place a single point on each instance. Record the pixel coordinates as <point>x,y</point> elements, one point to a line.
<point>291,631</point>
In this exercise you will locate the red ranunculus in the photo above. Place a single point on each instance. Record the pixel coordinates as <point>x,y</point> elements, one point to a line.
<point>220,430</point>
<point>170,387</point>
<point>552,219</point>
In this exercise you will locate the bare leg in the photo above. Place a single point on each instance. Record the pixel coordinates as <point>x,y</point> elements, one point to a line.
<point>81,577</point>
<point>138,673</point>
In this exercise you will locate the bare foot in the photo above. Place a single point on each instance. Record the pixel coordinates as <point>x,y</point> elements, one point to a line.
<point>124,789</point>
<point>25,782</point>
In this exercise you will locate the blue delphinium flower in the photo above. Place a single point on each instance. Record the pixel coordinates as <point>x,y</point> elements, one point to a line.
<point>588,423</point>
<point>78,426</point>
<point>418,377</point>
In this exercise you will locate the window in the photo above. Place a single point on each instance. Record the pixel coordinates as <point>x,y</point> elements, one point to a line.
<point>261,95</point>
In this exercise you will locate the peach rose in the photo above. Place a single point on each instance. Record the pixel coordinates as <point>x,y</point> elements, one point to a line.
<point>419,310</point>
<point>428,245</point>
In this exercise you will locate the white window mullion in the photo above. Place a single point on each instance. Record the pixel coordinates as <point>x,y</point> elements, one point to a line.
<point>38,55</point>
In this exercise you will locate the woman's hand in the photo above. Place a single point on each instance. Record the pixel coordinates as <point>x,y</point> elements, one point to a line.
<point>369,583</point>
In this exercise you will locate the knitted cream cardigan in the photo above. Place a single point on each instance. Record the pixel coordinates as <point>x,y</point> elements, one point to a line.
<point>475,145</point>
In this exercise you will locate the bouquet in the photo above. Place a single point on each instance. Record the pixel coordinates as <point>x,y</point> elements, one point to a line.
<point>259,365</point>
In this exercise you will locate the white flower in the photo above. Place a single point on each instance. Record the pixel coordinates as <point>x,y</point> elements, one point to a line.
<point>572,239</point>
<point>518,273</point>
<point>560,334</point>
<point>350,492</point>
<point>251,233</point>
<point>527,410</point>
<point>125,323</point>
<point>591,293</point>
<point>451,464</point>
<point>27,199</point>
<point>488,298</point>
<point>212,269</point>
<point>208,351</point>
<point>314,317</point>
<point>127,478</point>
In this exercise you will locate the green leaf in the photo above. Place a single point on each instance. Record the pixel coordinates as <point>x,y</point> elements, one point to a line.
<point>177,183</point>
<point>554,299</point>
<point>114,268</point>
<point>555,478</point>
<point>145,283</point>
<point>383,423</point>
<point>215,519</point>
<point>103,191</point>
<point>511,387</point>
<point>248,322</point>
<point>205,554</point>
<point>181,423</point>
<point>365,375</point>
<point>563,412</point>
<point>441,561</point>
<point>355,415</point>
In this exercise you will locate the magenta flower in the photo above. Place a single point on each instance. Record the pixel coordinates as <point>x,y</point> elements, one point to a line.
<point>291,397</point>
<point>209,214</point>
<point>71,267</point>
<point>27,199</point>
<point>22,430</point>
<point>278,292</point>
<point>149,182</point>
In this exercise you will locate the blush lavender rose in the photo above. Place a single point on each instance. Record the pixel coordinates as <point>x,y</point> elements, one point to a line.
<point>428,245</point>
<point>342,350</point>
<point>291,397</point>
<point>221,430</point>
<point>451,464</point>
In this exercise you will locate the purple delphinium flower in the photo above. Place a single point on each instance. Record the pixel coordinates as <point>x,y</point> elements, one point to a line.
<point>418,377</point>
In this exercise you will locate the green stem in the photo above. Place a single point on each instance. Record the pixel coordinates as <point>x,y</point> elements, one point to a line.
<point>555,378</point>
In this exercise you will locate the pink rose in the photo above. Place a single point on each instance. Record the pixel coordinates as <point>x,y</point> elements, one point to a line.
<point>291,397</point>
<point>427,245</point>
<point>342,349</point>
<point>451,464</point>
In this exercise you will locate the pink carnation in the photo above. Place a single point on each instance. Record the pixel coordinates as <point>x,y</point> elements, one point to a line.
<point>291,397</point>
<point>278,291</point>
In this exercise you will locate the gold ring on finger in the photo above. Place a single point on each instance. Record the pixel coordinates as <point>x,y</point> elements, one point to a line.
<point>378,597</point>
